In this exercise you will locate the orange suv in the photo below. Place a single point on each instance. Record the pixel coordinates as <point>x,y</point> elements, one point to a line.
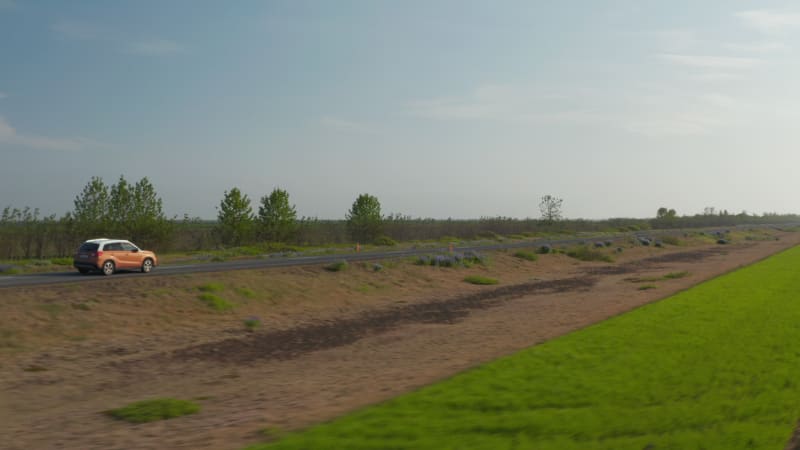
<point>110,255</point>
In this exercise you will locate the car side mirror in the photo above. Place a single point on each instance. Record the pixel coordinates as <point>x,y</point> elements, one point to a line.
<point>136,250</point>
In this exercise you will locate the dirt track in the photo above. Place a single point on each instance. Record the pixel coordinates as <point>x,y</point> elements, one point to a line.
<point>317,369</point>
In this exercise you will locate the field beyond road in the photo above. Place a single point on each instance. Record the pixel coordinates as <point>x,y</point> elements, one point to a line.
<point>284,349</point>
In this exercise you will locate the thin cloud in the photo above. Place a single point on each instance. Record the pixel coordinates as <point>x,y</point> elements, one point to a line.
<point>761,47</point>
<point>681,114</point>
<point>507,103</point>
<point>710,62</point>
<point>769,21</point>
<point>155,47</point>
<point>7,4</point>
<point>674,40</point>
<point>715,76</point>
<point>3,95</point>
<point>8,135</point>
<point>347,126</point>
<point>76,30</point>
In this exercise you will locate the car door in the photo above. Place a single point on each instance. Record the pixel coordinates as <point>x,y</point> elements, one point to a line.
<point>130,255</point>
<point>113,251</point>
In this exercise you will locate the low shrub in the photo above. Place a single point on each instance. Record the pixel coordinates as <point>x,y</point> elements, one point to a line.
<point>377,267</point>
<point>490,235</point>
<point>251,323</point>
<point>646,287</point>
<point>246,292</point>
<point>529,256</point>
<point>588,254</point>
<point>671,240</point>
<point>214,302</point>
<point>211,287</point>
<point>675,275</point>
<point>337,266</point>
<point>385,241</point>
<point>151,410</point>
<point>477,279</point>
<point>544,249</point>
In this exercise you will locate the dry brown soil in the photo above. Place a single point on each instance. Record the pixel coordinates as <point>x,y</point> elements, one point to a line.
<point>330,342</point>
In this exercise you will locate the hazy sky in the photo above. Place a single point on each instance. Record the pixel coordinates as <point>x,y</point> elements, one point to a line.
<point>439,108</point>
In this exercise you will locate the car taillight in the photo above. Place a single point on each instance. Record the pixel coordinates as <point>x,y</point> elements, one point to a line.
<point>98,254</point>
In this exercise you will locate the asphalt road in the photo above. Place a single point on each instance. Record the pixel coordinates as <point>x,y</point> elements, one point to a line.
<point>263,262</point>
<point>266,261</point>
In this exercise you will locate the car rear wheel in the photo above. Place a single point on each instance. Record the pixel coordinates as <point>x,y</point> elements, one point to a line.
<point>147,265</point>
<point>108,267</point>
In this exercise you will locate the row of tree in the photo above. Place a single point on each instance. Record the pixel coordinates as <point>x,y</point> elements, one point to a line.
<point>276,220</point>
<point>121,209</point>
<point>134,211</point>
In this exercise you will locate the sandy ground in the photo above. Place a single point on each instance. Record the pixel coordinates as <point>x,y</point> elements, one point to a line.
<point>321,359</point>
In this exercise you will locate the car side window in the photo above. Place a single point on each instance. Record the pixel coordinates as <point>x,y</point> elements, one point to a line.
<point>127,246</point>
<point>116,246</point>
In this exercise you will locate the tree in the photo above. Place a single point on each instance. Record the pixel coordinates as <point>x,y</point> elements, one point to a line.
<point>147,221</point>
<point>235,218</point>
<point>550,208</point>
<point>364,222</point>
<point>120,203</point>
<point>665,218</point>
<point>277,219</point>
<point>91,214</point>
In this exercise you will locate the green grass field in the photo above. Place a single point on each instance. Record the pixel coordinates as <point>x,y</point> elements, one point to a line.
<point>714,367</point>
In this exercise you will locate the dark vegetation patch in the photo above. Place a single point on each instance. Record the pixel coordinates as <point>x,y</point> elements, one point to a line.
<point>655,261</point>
<point>294,342</point>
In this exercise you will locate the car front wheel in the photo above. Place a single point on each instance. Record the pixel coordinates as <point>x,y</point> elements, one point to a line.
<point>147,265</point>
<point>108,268</point>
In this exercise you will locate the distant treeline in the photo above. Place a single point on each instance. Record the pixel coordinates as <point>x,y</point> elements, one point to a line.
<point>134,211</point>
<point>26,234</point>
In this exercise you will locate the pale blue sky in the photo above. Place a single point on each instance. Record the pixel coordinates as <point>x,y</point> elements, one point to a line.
<point>439,108</point>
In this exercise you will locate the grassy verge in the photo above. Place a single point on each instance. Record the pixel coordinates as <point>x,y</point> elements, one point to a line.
<point>713,367</point>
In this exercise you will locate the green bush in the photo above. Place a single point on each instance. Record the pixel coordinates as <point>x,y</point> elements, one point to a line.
<point>646,287</point>
<point>214,302</point>
<point>671,240</point>
<point>246,292</point>
<point>251,323</point>
<point>211,287</point>
<point>151,410</point>
<point>674,275</point>
<point>529,256</point>
<point>478,279</point>
<point>385,241</point>
<point>337,266</point>
<point>588,254</point>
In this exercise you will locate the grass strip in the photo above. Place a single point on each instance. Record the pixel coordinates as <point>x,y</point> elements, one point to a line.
<point>156,409</point>
<point>713,367</point>
<point>481,280</point>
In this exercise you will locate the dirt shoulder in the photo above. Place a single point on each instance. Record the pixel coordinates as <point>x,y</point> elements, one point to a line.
<point>330,342</point>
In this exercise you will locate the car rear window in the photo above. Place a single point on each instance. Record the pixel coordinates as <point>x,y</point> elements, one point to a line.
<point>88,247</point>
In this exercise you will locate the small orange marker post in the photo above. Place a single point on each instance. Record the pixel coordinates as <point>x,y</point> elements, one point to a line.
<point>358,247</point>
<point>451,247</point>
